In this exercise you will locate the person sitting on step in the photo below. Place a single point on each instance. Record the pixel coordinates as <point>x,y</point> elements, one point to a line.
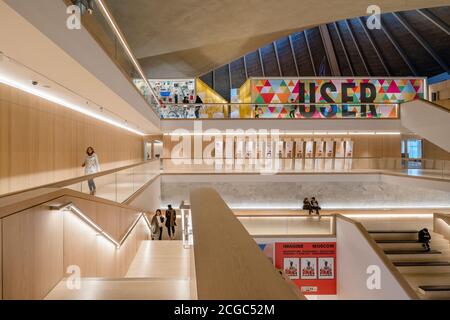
<point>424,238</point>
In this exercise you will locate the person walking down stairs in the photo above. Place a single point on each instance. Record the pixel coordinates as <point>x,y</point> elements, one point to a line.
<point>171,217</point>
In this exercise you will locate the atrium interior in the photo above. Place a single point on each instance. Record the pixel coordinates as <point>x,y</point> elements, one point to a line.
<point>220,150</point>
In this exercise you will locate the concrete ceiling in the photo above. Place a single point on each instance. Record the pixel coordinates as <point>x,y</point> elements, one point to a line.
<point>186,38</point>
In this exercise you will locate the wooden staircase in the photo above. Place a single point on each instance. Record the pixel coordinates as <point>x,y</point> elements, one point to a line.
<point>428,272</point>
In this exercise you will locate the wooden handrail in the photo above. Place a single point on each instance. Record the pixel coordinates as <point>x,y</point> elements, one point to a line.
<point>228,262</point>
<point>23,201</point>
<point>140,190</point>
<point>68,182</point>
<point>382,256</point>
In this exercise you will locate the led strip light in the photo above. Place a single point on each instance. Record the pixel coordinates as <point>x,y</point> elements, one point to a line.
<point>276,133</point>
<point>64,103</point>
<point>72,208</point>
<point>119,35</point>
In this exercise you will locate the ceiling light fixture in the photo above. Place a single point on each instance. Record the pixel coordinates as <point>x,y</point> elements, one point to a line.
<point>270,133</point>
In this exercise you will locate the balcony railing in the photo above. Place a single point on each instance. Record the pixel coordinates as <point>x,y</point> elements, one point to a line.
<point>302,111</point>
<point>429,168</point>
<point>118,186</point>
<point>103,28</point>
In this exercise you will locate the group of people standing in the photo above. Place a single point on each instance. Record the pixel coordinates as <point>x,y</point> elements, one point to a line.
<point>169,220</point>
<point>311,205</point>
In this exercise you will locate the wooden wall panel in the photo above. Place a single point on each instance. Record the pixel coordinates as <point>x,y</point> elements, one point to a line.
<point>80,241</point>
<point>37,245</point>
<point>432,151</point>
<point>32,253</point>
<point>1,264</point>
<point>42,142</point>
<point>96,256</point>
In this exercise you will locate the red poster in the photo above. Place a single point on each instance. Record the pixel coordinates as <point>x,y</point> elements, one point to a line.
<point>310,265</point>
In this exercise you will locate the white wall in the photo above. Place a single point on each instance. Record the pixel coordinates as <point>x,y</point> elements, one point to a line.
<point>428,121</point>
<point>334,191</point>
<point>354,255</point>
<point>150,198</point>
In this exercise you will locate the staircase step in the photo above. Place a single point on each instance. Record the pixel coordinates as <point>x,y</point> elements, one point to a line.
<point>434,292</point>
<point>421,263</point>
<point>396,241</point>
<point>421,252</point>
<point>435,288</point>
<point>428,279</point>
<point>413,246</point>
<point>392,231</point>
<point>426,267</point>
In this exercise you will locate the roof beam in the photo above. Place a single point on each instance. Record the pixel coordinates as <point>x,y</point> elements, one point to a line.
<point>261,62</point>
<point>374,46</point>
<point>229,75</point>
<point>399,50</point>
<point>343,48</point>
<point>309,50</point>
<point>422,41</point>
<point>245,68</point>
<point>358,49</point>
<point>435,20</point>
<point>329,50</point>
<point>278,59</point>
<point>293,55</point>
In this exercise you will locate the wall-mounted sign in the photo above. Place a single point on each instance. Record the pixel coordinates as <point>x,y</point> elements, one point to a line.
<point>288,149</point>
<point>333,97</point>
<point>310,265</point>
<point>299,149</point>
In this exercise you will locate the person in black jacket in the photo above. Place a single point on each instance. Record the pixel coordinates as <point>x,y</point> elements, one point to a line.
<point>307,205</point>
<point>424,238</point>
<point>171,218</point>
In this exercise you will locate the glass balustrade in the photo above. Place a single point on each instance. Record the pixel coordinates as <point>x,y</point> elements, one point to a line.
<point>278,111</point>
<point>120,185</point>
<point>99,26</point>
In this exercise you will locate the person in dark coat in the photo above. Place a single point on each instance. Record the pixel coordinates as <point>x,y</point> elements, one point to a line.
<point>307,205</point>
<point>171,217</point>
<point>424,238</point>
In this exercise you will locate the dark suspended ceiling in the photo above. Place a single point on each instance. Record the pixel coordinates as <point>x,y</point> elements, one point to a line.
<point>410,43</point>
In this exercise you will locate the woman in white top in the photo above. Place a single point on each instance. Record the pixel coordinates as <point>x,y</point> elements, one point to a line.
<point>91,166</point>
<point>157,225</point>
